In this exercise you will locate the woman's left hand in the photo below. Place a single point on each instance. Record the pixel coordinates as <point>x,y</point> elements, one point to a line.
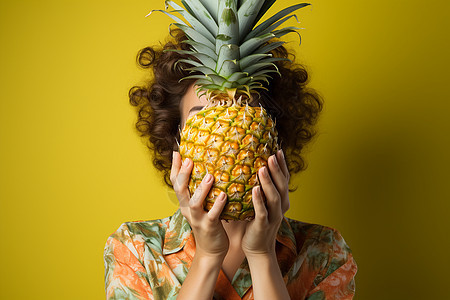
<point>261,232</point>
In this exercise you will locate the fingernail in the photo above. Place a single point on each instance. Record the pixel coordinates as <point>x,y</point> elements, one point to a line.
<point>275,161</point>
<point>257,190</point>
<point>221,196</point>
<point>208,178</point>
<point>264,171</point>
<point>186,162</point>
<point>282,154</point>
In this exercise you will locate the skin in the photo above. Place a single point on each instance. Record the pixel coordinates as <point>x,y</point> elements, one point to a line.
<point>224,245</point>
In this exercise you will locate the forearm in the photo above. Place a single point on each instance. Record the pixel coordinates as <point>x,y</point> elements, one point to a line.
<point>268,283</point>
<point>201,278</point>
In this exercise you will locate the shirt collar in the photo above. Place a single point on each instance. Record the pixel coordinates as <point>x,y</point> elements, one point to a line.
<point>177,233</point>
<point>286,236</point>
<point>179,230</point>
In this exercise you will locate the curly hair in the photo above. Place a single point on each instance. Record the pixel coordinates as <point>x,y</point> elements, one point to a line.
<point>295,106</point>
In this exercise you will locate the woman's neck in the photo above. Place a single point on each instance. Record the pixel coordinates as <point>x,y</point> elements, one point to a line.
<point>235,231</point>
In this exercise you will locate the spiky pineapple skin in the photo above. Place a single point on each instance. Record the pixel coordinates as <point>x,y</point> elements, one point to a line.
<point>232,143</point>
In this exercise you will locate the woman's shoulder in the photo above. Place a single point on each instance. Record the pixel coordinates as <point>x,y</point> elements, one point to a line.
<point>328,257</point>
<point>144,231</point>
<point>319,236</point>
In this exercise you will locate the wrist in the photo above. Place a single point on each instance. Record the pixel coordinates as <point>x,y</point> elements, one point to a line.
<point>261,256</point>
<point>209,258</point>
<point>204,269</point>
<point>265,252</point>
<point>267,279</point>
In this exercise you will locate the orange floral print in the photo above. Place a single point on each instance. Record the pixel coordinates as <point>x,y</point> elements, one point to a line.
<point>150,260</point>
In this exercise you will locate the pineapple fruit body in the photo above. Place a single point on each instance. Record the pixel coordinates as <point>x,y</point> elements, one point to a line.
<point>230,56</point>
<point>232,143</point>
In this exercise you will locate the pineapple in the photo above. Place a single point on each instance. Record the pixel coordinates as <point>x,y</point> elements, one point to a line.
<point>229,138</point>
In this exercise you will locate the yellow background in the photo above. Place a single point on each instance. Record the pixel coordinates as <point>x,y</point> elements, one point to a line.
<point>73,169</point>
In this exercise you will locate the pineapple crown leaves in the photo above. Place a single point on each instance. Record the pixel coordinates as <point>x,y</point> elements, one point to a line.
<point>228,55</point>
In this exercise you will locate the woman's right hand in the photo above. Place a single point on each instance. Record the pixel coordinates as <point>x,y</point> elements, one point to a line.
<point>210,237</point>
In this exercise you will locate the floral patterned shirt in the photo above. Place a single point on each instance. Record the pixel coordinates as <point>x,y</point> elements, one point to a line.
<point>150,260</point>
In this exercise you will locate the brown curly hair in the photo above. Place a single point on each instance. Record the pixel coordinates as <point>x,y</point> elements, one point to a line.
<point>295,107</point>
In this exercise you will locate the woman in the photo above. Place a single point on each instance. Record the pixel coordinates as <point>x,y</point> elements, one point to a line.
<point>194,255</point>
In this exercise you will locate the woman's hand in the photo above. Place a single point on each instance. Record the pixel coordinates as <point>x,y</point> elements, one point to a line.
<point>210,237</point>
<point>261,233</point>
<point>211,241</point>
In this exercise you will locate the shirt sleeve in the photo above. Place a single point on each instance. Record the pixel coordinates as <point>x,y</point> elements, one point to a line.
<point>336,281</point>
<point>125,276</point>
